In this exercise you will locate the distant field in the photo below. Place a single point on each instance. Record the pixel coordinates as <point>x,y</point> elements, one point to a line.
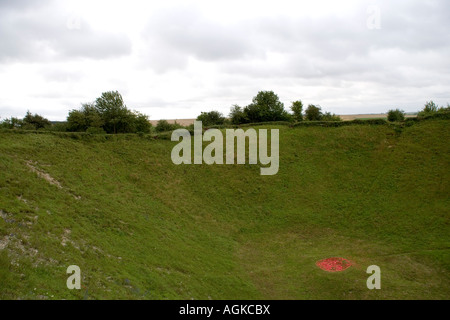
<point>140,227</point>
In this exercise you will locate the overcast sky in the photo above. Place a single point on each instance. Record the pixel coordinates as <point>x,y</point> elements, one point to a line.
<point>173,59</point>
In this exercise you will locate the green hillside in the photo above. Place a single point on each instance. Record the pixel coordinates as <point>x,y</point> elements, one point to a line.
<point>140,227</point>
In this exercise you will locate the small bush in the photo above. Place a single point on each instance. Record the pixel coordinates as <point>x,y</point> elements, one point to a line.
<point>297,108</point>
<point>211,118</point>
<point>12,123</point>
<point>163,126</point>
<point>431,109</point>
<point>237,115</point>
<point>313,113</point>
<point>35,121</point>
<point>396,115</point>
<point>442,114</point>
<point>327,116</point>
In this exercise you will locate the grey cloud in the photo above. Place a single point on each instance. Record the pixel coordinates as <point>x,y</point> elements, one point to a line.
<point>87,43</point>
<point>14,5</point>
<point>344,48</point>
<point>177,34</point>
<point>44,34</point>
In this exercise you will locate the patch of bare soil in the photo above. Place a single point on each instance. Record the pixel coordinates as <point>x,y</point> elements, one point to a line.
<point>43,175</point>
<point>47,177</point>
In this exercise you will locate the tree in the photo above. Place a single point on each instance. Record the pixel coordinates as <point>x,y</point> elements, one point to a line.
<point>237,115</point>
<point>327,116</point>
<point>109,114</point>
<point>93,116</point>
<point>211,118</point>
<point>297,108</point>
<point>266,106</point>
<point>12,123</point>
<point>252,113</point>
<point>396,115</point>
<point>35,121</point>
<point>117,118</point>
<point>163,126</point>
<point>431,108</point>
<point>313,113</point>
<point>76,121</point>
<point>87,117</point>
<point>141,123</point>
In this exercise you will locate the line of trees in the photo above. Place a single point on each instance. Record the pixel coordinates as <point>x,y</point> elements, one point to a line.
<point>29,122</point>
<point>266,106</point>
<point>430,108</point>
<point>107,114</point>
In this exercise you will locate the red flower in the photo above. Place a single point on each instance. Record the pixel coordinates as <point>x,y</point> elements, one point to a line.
<point>334,264</point>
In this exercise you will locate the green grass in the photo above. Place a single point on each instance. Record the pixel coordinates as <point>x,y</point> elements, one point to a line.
<point>141,227</point>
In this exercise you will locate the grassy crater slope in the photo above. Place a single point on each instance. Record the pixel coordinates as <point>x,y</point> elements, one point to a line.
<point>140,227</point>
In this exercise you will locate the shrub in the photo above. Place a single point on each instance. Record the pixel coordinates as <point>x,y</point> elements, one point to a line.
<point>327,116</point>
<point>396,115</point>
<point>211,118</point>
<point>313,113</point>
<point>12,123</point>
<point>297,108</point>
<point>84,118</point>
<point>141,123</point>
<point>431,108</point>
<point>237,115</point>
<point>35,122</point>
<point>163,126</point>
<point>115,115</point>
<point>266,106</point>
<point>110,113</point>
<point>443,115</point>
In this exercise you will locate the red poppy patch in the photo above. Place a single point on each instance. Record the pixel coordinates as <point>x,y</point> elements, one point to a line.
<point>334,264</point>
